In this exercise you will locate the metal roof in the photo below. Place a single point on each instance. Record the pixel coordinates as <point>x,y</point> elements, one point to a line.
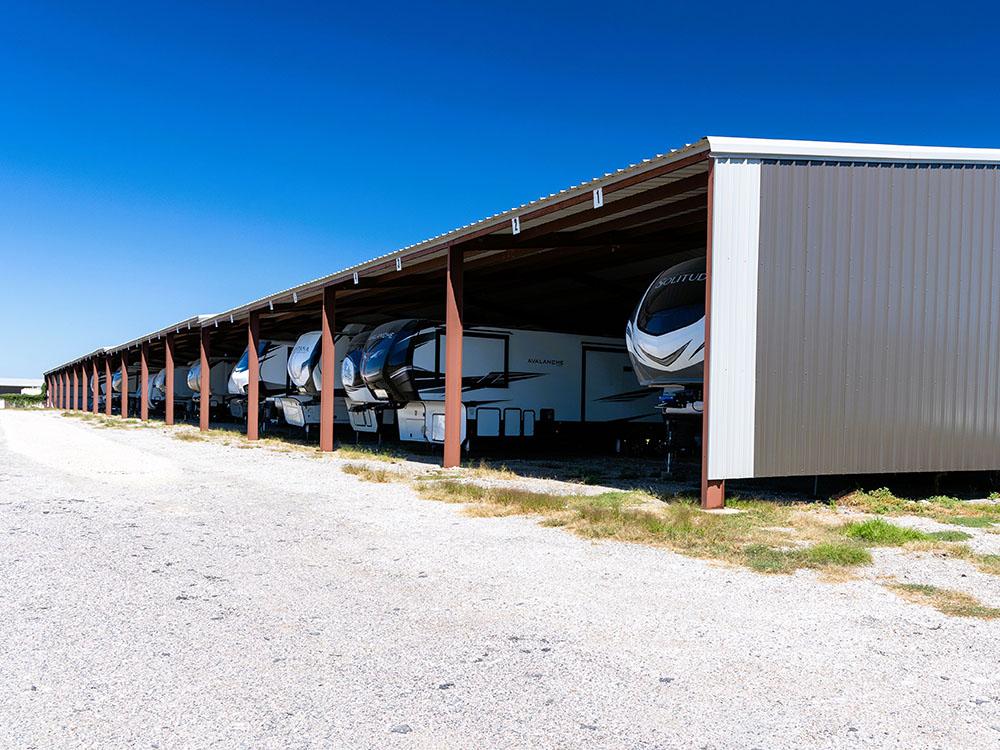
<point>624,182</point>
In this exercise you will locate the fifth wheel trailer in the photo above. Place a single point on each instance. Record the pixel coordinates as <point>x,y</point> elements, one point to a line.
<point>515,383</point>
<point>300,407</point>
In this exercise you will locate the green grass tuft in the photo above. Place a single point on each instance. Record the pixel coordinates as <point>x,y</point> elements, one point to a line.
<point>949,536</point>
<point>973,522</point>
<point>880,533</point>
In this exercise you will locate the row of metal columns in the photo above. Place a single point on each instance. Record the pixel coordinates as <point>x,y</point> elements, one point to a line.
<point>67,389</point>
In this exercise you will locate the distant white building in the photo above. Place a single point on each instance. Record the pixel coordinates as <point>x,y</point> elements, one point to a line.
<point>28,386</point>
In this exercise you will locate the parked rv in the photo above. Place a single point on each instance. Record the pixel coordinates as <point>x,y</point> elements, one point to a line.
<point>515,383</point>
<point>666,342</point>
<point>218,374</point>
<point>300,406</point>
<point>132,390</point>
<point>273,379</point>
<point>158,392</point>
<point>367,412</point>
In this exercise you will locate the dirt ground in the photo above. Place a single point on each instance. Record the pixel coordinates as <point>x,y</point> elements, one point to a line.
<point>170,593</point>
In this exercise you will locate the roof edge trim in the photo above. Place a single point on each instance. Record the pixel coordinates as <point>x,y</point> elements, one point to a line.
<point>723,146</point>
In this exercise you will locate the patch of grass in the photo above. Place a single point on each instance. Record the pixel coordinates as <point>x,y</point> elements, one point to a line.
<point>367,454</point>
<point>835,553</point>
<point>761,536</point>
<point>941,508</point>
<point>766,559</point>
<point>949,536</point>
<point>880,533</point>
<point>189,437</point>
<point>483,470</point>
<point>371,474</point>
<point>975,522</point>
<point>946,601</point>
<point>988,563</point>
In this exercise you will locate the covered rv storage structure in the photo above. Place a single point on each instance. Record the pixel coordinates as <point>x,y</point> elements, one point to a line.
<point>852,301</point>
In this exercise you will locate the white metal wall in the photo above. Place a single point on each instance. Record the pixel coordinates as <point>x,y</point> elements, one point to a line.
<point>735,246</point>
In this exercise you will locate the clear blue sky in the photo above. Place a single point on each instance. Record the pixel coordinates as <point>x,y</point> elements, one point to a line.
<point>161,160</point>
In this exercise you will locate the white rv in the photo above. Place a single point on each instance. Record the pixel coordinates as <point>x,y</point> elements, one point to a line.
<point>300,406</point>
<point>666,337</point>
<point>158,391</point>
<point>132,393</point>
<point>218,378</point>
<point>515,383</point>
<point>273,360</point>
<point>666,341</point>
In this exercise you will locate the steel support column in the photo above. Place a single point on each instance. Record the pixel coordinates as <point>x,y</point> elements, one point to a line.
<point>144,382</point>
<point>95,385</point>
<point>328,354</point>
<point>169,401</point>
<point>205,385</point>
<point>713,491</point>
<point>253,376</point>
<point>453,359</point>
<point>107,386</point>
<point>123,364</point>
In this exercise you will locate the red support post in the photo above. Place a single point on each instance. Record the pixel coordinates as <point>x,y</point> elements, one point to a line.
<point>83,388</point>
<point>253,376</point>
<point>453,359</point>
<point>205,386</point>
<point>713,491</point>
<point>169,402</point>
<point>65,390</point>
<point>108,395</point>
<point>95,383</point>
<point>144,382</point>
<point>74,386</point>
<point>326,398</point>
<point>123,363</point>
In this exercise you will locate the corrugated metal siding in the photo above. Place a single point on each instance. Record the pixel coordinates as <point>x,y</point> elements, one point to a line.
<point>877,319</point>
<point>735,222</point>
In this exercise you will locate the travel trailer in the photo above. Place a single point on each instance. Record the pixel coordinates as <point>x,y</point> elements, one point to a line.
<point>666,337</point>
<point>218,378</point>
<point>158,391</point>
<point>299,407</point>
<point>666,341</point>
<point>515,383</point>
<point>273,361</point>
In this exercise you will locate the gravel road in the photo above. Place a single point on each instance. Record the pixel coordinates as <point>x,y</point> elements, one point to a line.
<point>160,593</point>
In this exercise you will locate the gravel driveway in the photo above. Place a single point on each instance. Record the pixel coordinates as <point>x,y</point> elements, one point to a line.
<point>160,593</point>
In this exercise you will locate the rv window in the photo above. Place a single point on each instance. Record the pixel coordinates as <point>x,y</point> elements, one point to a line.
<point>670,318</point>
<point>483,354</point>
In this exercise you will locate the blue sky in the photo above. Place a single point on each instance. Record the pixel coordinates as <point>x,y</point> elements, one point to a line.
<point>178,158</point>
